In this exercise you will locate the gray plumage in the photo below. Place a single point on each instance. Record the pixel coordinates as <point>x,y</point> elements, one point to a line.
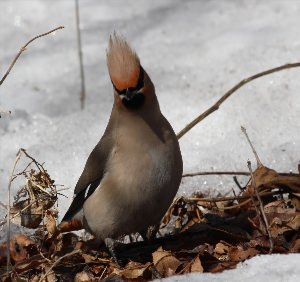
<point>134,172</point>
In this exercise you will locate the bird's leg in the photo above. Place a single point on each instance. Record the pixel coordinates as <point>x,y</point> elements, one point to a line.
<point>110,245</point>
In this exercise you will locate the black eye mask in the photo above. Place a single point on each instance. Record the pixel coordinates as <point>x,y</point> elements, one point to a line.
<point>132,98</point>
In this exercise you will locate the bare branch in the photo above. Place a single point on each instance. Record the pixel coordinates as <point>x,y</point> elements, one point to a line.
<point>259,163</point>
<point>245,173</point>
<point>226,199</point>
<point>229,93</point>
<point>79,46</point>
<point>23,49</point>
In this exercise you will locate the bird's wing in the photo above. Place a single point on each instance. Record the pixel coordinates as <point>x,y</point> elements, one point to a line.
<point>91,175</point>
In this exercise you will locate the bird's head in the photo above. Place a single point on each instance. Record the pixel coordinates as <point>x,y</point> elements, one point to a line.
<point>131,83</point>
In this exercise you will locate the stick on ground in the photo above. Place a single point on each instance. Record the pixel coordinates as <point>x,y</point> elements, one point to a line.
<point>261,208</point>
<point>245,173</point>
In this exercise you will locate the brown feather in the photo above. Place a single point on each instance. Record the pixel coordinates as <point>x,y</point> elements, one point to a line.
<point>122,62</point>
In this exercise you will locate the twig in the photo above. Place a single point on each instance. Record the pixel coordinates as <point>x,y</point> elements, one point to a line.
<point>237,184</point>
<point>261,208</point>
<point>103,272</point>
<point>259,163</point>
<point>229,93</point>
<point>38,165</point>
<point>23,49</point>
<point>8,209</point>
<point>224,199</point>
<point>57,262</point>
<point>79,45</point>
<point>231,173</point>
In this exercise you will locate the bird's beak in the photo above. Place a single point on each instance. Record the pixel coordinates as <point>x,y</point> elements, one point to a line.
<point>129,94</point>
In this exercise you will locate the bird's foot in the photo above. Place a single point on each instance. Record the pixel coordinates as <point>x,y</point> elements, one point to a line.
<point>110,245</point>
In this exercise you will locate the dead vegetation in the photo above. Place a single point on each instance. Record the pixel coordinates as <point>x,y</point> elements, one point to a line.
<point>209,234</point>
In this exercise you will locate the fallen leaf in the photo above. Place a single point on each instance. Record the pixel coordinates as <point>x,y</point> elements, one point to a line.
<point>132,270</point>
<point>84,276</point>
<point>295,246</point>
<point>54,235</point>
<point>163,261</point>
<point>18,247</point>
<point>294,222</point>
<point>221,251</point>
<point>30,263</point>
<point>237,253</point>
<point>196,265</point>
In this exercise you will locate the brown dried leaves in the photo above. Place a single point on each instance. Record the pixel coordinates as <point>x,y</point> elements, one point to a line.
<point>36,197</point>
<point>212,234</point>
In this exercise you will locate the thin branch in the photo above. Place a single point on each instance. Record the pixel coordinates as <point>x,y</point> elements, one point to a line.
<point>261,208</point>
<point>23,49</point>
<point>225,199</point>
<point>229,93</point>
<point>79,46</point>
<point>237,184</point>
<point>259,163</point>
<point>8,209</point>
<point>231,173</point>
<point>57,262</point>
<point>38,165</point>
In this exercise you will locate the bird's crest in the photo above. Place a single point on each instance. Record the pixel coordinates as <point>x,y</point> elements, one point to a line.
<point>122,62</point>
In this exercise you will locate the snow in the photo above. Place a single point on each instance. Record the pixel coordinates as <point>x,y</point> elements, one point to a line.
<point>194,52</point>
<point>275,268</point>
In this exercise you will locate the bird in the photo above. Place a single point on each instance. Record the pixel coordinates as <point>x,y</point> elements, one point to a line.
<point>133,174</point>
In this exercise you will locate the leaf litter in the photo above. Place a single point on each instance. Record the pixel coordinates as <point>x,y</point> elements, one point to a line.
<point>209,234</point>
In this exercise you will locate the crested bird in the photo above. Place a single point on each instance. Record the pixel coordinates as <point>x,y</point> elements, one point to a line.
<point>133,173</point>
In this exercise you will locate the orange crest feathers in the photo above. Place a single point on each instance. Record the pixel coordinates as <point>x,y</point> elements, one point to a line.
<point>122,62</point>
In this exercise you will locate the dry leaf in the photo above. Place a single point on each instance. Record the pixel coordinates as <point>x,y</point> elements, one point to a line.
<point>295,246</point>
<point>18,247</point>
<point>197,266</point>
<point>237,253</point>
<point>38,195</point>
<point>132,270</point>
<point>31,263</point>
<point>163,261</point>
<point>51,224</point>
<point>84,277</point>
<point>54,235</point>
<point>267,177</point>
<point>221,251</point>
<point>280,206</point>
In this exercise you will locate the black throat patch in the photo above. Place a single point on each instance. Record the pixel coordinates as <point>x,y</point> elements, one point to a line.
<point>136,101</point>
